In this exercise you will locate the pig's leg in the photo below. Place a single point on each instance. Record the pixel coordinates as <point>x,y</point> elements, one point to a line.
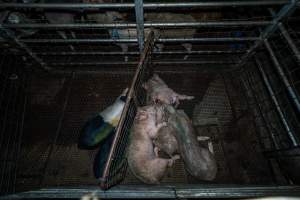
<point>210,145</point>
<point>184,97</point>
<point>188,47</point>
<point>160,47</point>
<point>124,48</point>
<point>172,160</point>
<point>64,36</point>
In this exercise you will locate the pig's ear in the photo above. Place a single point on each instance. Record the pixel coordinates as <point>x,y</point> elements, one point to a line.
<point>142,115</point>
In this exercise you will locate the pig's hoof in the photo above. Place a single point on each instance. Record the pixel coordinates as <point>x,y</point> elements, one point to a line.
<point>203,138</point>
<point>172,160</point>
<point>176,157</point>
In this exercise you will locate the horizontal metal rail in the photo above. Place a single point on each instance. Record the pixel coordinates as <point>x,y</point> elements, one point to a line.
<point>285,11</point>
<point>136,62</point>
<point>211,24</point>
<point>11,36</point>
<point>146,5</point>
<point>106,53</point>
<point>163,191</point>
<point>131,40</point>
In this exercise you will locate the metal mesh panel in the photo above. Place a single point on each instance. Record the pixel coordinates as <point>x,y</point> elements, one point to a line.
<point>12,108</point>
<point>250,140</point>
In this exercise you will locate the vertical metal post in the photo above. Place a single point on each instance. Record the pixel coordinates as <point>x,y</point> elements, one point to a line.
<point>139,17</point>
<point>283,12</point>
<point>11,35</point>
<point>290,133</point>
<point>290,41</point>
<point>282,75</point>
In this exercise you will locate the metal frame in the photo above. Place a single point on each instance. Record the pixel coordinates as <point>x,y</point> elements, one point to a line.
<point>133,40</point>
<point>269,30</point>
<point>11,35</point>
<point>162,191</point>
<point>168,191</point>
<point>139,18</point>
<point>271,26</point>
<point>282,75</point>
<point>291,134</point>
<point>146,25</point>
<point>146,5</point>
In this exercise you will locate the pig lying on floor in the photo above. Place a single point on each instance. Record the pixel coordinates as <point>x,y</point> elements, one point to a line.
<point>142,157</point>
<point>198,161</point>
<point>159,92</point>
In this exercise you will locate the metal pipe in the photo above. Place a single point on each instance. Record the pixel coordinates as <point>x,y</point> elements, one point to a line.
<point>282,75</point>
<point>290,133</point>
<point>139,18</point>
<point>104,53</point>
<point>184,5</point>
<point>289,41</point>
<point>251,82</point>
<point>134,40</point>
<point>136,62</point>
<point>10,34</point>
<point>283,12</point>
<point>146,25</point>
<point>170,191</point>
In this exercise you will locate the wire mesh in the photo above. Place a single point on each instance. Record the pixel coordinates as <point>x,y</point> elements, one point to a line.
<point>12,101</point>
<point>249,127</point>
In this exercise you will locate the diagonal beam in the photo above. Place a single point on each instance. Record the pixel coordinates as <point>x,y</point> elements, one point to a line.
<point>11,35</point>
<point>294,139</point>
<point>290,41</point>
<point>282,75</point>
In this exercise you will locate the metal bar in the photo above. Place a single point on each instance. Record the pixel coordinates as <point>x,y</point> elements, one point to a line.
<point>283,12</point>
<point>58,129</point>
<point>23,46</point>
<point>251,82</point>
<point>144,54</point>
<point>163,191</point>
<point>135,63</point>
<point>290,133</point>
<point>282,75</point>
<point>292,152</point>
<point>146,5</point>
<point>139,18</point>
<point>289,41</point>
<point>146,25</point>
<point>105,53</point>
<point>133,40</point>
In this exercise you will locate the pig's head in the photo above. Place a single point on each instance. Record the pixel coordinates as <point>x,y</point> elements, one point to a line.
<point>151,112</point>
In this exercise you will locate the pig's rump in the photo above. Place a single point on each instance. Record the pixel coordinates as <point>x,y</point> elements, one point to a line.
<point>143,163</point>
<point>199,162</point>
